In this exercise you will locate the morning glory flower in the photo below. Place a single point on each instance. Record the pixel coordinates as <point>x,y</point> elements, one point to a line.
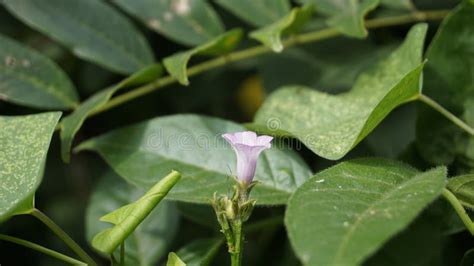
<point>247,146</point>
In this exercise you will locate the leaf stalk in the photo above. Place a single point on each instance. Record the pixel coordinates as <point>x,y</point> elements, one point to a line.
<point>451,198</point>
<point>58,231</point>
<point>41,249</point>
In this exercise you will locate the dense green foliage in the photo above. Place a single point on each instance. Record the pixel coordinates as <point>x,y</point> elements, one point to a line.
<point>370,103</point>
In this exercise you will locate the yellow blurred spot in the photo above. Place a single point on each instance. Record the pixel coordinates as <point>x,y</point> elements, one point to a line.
<point>250,95</point>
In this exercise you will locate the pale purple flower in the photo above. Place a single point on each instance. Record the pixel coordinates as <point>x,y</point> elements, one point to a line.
<point>247,147</point>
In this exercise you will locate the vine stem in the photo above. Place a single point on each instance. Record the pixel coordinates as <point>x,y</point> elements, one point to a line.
<point>122,254</point>
<point>63,236</point>
<point>236,255</point>
<point>41,249</point>
<point>436,106</point>
<point>260,49</point>
<point>451,198</point>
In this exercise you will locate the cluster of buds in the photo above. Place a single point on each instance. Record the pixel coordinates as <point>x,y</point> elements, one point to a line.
<point>234,211</point>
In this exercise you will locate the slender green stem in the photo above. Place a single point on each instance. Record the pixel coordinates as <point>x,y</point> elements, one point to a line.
<point>41,249</point>
<point>436,106</point>
<point>451,198</point>
<point>260,49</point>
<point>63,236</point>
<point>236,254</point>
<point>122,254</point>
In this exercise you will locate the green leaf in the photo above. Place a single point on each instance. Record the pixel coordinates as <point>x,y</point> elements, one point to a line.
<point>24,143</point>
<point>174,260</point>
<point>193,145</point>
<point>331,125</point>
<point>31,79</point>
<point>345,213</point>
<point>185,21</point>
<point>176,64</point>
<point>463,187</point>
<point>151,239</point>
<point>448,80</point>
<point>200,252</point>
<point>347,16</point>
<point>258,13</point>
<point>91,29</point>
<point>73,122</point>
<point>270,35</point>
<point>127,218</point>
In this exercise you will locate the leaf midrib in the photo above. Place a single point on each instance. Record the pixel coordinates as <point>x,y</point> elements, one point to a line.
<point>41,84</point>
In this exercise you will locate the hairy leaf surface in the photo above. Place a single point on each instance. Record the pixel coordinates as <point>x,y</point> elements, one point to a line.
<point>355,207</point>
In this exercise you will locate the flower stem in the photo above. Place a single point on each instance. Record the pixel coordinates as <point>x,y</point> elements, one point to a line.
<point>41,249</point>
<point>260,49</point>
<point>451,198</point>
<point>63,236</point>
<point>236,254</point>
<point>436,106</point>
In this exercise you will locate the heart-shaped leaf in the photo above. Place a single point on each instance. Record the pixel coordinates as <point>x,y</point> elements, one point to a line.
<point>127,218</point>
<point>463,187</point>
<point>292,23</point>
<point>151,239</point>
<point>258,13</point>
<point>185,21</point>
<point>92,29</point>
<point>31,79</point>
<point>345,213</point>
<point>24,143</point>
<point>73,122</point>
<point>193,145</point>
<point>200,252</point>
<point>347,16</point>
<point>331,125</point>
<point>176,64</point>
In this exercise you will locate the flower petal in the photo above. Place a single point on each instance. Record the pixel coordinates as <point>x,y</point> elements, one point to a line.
<point>264,140</point>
